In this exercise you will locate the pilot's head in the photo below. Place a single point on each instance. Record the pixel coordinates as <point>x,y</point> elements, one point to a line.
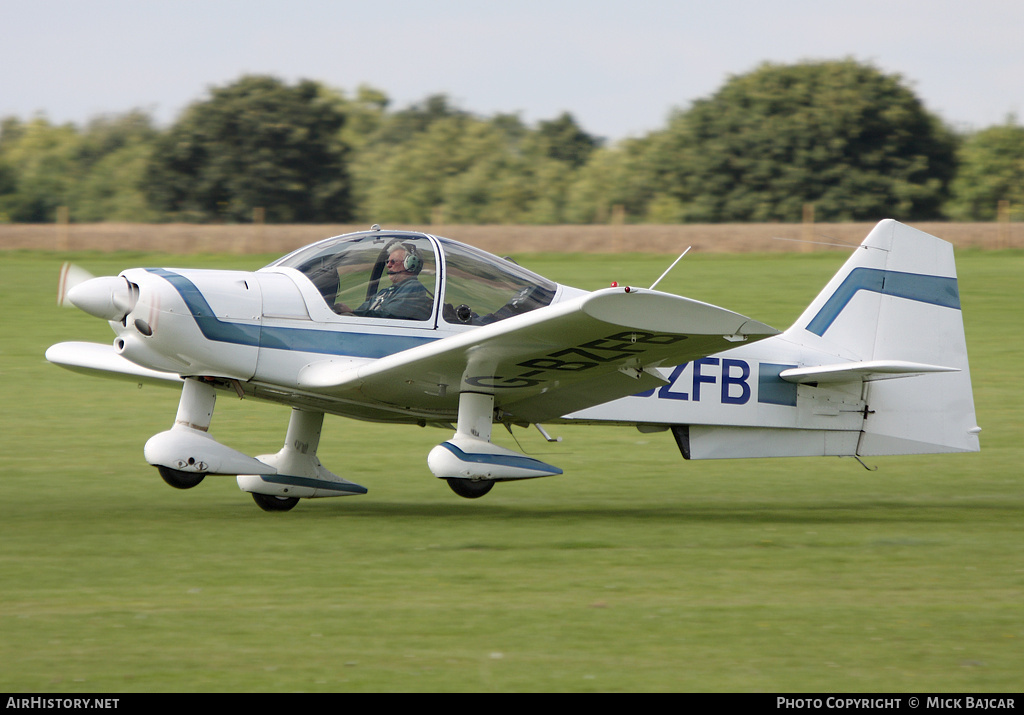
<point>403,263</point>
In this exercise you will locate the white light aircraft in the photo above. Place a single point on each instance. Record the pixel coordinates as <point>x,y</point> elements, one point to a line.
<point>403,327</point>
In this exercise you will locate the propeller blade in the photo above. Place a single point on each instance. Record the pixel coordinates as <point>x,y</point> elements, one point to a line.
<point>70,276</point>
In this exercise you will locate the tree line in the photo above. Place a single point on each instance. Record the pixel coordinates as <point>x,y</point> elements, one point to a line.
<point>853,142</point>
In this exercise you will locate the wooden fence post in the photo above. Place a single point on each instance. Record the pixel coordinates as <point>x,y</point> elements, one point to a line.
<point>63,219</point>
<point>259,218</point>
<point>808,228</point>
<point>1003,218</point>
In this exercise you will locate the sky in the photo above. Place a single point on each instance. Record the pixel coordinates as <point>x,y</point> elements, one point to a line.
<point>620,67</point>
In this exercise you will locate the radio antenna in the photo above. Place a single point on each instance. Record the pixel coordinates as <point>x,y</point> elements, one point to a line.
<point>670,267</point>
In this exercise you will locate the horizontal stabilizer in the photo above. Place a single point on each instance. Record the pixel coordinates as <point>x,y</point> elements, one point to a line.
<point>863,371</point>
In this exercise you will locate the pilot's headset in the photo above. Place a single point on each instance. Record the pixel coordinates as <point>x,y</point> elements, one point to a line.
<point>413,263</point>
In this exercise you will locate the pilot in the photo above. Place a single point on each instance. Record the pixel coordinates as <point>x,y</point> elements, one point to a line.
<point>406,299</point>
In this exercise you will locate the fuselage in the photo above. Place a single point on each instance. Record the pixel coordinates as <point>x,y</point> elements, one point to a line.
<point>255,330</point>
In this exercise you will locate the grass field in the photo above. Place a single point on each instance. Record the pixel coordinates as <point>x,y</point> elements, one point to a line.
<point>634,571</point>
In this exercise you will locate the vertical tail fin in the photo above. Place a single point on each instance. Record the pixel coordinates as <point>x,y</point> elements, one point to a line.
<point>895,306</point>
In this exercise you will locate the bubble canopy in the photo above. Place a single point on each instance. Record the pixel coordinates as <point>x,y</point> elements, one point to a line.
<point>444,280</point>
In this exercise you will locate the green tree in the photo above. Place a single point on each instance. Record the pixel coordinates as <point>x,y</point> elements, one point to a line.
<point>364,115</point>
<point>11,130</point>
<point>434,159</point>
<point>96,172</point>
<point>512,176</point>
<point>991,170</point>
<point>113,156</point>
<point>38,167</point>
<point>563,139</point>
<point>402,176</point>
<point>255,143</point>
<point>842,135</point>
<point>630,175</point>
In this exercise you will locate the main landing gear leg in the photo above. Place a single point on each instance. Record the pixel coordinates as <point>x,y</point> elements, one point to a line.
<point>295,471</point>
<point>186,453</point>
<point>476,411</point>
<point>195,411</point>
<point>297,457</point>
<point>470,462</point>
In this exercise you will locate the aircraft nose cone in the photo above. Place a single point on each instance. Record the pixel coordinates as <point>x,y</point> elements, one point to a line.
<point>109,297</point>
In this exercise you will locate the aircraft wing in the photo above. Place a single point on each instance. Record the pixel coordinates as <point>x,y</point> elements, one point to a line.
<point>103,360</point>
<point>548,362</point>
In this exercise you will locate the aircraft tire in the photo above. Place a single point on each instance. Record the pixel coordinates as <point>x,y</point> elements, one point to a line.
<point>179,479</point>
<point>269,502</point>
<point>470,489</point>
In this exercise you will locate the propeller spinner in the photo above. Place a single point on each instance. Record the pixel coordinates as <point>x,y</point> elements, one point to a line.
<point>107,297</point>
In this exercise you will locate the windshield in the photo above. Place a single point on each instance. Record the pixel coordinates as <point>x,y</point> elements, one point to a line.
<point>375,276</point>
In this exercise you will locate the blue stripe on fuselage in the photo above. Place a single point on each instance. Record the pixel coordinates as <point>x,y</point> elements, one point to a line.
<point>912,286</point>
<point>329,342</point>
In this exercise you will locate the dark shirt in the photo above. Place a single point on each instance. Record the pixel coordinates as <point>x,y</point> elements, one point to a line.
<point>408,300</point>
